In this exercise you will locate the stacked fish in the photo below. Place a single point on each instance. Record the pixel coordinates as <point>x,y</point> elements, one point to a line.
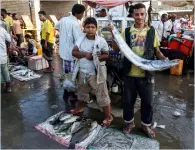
<point>21,71</point>
<point>73,128</point>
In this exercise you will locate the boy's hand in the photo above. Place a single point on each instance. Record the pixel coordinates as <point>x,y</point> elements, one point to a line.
<point>98,55</point>
<point>88,56</point>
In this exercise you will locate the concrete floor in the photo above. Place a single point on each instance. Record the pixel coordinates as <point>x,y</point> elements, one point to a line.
<point>30,103</point>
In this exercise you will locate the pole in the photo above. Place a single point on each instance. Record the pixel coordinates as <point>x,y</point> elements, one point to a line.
<point>149,13</point>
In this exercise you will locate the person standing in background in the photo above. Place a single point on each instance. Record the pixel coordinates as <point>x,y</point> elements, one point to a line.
<point>69,32</point>
<point>5,77</point>
<point>17,28</point>
<point>47,40</point>
<point>8,20</point>
<point>160,27</point>
<point>169,25</point>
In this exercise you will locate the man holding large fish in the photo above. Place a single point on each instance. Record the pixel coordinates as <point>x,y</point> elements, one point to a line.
<point>143,40</point>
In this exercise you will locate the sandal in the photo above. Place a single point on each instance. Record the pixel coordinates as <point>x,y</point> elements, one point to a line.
<point>77,111</point>
<point>150,133</point>
<point>107,122</point>
<point>128,127</point>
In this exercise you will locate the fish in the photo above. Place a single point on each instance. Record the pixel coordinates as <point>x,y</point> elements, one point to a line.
<point>148,65</point>
<point>55,120</point>
<point>80,135</point>
<point>94,130</point>
<point>75,127</point>
<point>64,116</point>
<point>64,126</point>
<point>72,119</point>
<point>84,122</point>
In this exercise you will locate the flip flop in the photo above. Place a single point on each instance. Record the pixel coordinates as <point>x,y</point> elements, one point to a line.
<point>76,111</point>
<point>150,133</point>
<point>107,122</point>
<point>128,127</point>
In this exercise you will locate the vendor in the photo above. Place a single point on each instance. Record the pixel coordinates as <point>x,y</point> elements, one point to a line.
<point>33,46</point>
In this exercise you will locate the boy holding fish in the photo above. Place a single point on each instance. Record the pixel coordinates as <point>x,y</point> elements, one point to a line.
<point>143,41</point>
<point>91,52</point>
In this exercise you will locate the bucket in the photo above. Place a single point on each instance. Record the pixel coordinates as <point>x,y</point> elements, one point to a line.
<point>115,88</point>
<point>174,44</point>
<point>177,70</point>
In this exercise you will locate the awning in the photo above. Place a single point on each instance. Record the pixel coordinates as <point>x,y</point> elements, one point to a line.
<point>109,3</point>
<point>180,3</point>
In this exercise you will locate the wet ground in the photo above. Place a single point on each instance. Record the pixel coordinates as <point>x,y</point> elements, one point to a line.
<point>32,102</point>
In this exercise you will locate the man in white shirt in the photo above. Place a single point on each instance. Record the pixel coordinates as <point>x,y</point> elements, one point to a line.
<point>69,33</point>
<point>178,26</point>
<point>169,26</point>
<point>5,77</point>
<point>160,27</point>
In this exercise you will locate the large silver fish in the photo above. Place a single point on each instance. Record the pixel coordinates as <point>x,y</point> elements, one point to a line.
<point>94,130</point>
<point>148,65</point>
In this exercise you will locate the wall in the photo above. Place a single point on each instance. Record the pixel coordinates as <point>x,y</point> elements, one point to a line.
<point>58,8</point>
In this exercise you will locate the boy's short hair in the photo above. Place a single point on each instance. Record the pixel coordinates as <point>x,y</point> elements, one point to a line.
<point>27,36</point>
<point>4,10</point>
<point>138,6</point>
<point>90,20</point>
<point>42,13</point>
<point>78,9</point>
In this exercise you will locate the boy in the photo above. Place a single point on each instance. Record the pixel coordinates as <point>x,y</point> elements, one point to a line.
<point>86,51</point>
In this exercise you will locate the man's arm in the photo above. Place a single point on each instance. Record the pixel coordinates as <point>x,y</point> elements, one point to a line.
<point>78,54</point>
<point>76,32</point>
<point>7,36</point>
<point>103,56</point>
<point>159,55</point>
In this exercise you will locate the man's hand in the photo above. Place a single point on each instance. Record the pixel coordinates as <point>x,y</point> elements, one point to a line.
<point>110,27</point>
<point>88,56</point>
<point>45,45</point>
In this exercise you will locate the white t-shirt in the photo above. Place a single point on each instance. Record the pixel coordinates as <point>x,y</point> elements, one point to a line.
<point>88,66</point>
<point>69,32</point>
<point>4,36</point>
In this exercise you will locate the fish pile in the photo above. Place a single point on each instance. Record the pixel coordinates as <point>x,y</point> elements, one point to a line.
<point>72,128</point>
<point>22,73</point>
<point>148,65</point>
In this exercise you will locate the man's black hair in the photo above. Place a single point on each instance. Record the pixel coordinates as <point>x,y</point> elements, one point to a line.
<point>78,9</point>
<point>42,13</point>
<point>90,20</point>
<point>14,14</point>
<point>131,9</point>
<point>138,6</point>
<point>4,10</point>
<point>164,15</point>
<point>27,36</point>
<point>103,10</point>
